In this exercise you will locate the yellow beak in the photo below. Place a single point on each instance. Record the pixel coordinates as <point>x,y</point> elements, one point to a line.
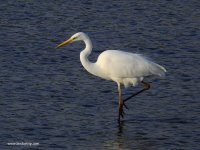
<point>64,43</point>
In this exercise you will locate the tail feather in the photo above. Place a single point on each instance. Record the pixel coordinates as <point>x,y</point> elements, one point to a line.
<point>158,70</point>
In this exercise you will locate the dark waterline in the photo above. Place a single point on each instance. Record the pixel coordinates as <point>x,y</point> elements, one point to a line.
<point>46,96</point>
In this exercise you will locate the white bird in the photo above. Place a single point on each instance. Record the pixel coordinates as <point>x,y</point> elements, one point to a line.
<point>119,66</point>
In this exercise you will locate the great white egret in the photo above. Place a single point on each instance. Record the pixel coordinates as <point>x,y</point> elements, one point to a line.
<point>119,66</point>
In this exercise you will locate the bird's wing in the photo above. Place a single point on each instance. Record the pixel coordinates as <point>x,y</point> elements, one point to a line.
<point>128,65</point>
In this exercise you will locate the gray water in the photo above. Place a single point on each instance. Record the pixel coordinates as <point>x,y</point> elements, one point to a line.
<point>47,97</point>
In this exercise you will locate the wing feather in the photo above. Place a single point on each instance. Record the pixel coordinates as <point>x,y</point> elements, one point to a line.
<point>127,65</point>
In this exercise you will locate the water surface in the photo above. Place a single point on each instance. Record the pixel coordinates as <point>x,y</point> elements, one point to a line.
<point>46,96</point>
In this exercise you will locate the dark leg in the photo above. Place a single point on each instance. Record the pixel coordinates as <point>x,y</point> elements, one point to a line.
<point>121,104</point>
<point>121,111</point>
<point>146,87</point>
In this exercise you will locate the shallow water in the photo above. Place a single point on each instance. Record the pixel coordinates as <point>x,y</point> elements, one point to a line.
<point>47,97</point>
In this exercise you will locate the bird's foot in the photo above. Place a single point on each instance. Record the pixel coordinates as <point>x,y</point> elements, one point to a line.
<point>121,110</point>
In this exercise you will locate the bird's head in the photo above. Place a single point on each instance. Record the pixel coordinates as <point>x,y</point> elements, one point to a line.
<point>76,37</point>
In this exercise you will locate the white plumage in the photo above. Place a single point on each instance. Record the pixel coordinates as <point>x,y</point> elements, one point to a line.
<point>127,68</point>
<point>122,67</point>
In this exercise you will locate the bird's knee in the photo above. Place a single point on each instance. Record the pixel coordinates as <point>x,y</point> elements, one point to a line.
<point>146,86</point>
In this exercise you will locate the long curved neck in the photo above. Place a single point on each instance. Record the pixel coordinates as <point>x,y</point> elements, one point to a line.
<point>89,66</point>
